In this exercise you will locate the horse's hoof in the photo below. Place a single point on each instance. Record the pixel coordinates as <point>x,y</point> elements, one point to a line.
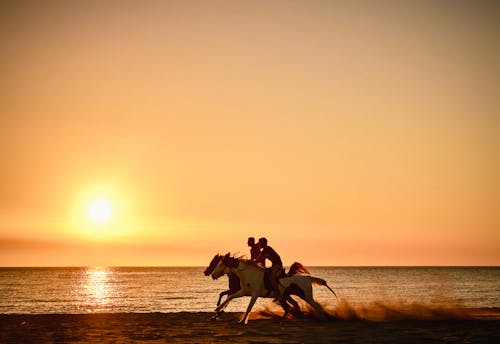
<point>243,321</point>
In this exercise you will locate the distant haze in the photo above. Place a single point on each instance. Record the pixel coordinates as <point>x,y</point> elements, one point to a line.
<point>346,132</point>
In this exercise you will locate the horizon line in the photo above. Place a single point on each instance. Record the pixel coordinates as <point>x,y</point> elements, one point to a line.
<point>203,266</point>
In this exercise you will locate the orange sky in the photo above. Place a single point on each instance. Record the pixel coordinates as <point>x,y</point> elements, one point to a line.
<point>347,132</point>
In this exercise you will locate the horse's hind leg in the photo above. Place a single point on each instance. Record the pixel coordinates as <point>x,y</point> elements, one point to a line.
<point>285,306</point>
<point>284,301</point>
<point>296,308</point>
<point>308,297</point>
<point>288,300</point>
<point>317,307</point>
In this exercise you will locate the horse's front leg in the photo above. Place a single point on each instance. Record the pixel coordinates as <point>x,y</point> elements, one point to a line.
<point>220,308</point>
<point>249,308</point>
<point>221,295</point>
<point>239,293</point>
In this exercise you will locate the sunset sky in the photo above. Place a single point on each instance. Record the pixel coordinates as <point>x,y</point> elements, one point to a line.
<point>163,132</point>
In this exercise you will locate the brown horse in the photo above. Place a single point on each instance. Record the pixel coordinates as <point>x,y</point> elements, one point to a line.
<point>234,286</point>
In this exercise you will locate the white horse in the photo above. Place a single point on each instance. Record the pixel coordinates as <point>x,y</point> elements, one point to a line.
<point>252,284</point>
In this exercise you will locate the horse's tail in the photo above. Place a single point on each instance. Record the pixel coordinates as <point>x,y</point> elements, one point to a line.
<point>320,281</point>
<point>297,268</point>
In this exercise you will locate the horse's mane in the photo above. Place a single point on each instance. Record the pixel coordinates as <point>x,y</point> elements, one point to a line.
<point>244,259</point>
<point>237,256</point>
<point>250,262</point>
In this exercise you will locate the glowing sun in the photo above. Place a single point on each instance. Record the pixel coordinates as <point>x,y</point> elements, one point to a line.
<point>100,211</point>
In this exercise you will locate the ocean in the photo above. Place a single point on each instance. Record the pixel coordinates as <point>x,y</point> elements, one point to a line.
<point>185,289</point>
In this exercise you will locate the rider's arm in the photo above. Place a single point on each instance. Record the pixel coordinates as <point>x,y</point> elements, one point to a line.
<point>264,254</point>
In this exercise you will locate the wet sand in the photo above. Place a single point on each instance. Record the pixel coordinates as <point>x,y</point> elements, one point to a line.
<point>187,327</point>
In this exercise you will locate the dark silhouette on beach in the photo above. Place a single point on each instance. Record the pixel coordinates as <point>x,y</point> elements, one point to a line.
<point>254,248</point>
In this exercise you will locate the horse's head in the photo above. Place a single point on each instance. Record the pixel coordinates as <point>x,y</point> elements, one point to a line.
<point>213,263</point>
<point>223,266</point>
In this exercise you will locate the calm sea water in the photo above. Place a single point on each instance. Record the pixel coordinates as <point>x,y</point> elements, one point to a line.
<point>168,289</point>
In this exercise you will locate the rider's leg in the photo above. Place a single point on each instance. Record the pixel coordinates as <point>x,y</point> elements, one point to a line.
<point>273,278</point>
<point>276,272</point>
<point>275,284</point>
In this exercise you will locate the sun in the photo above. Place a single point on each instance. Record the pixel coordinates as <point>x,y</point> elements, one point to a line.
<point>100,211</point>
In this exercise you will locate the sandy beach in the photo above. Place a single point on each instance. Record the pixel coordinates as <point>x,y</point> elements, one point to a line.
<point>185,327</point>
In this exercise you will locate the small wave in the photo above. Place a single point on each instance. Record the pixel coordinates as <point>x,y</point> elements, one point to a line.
<point>175,298</point>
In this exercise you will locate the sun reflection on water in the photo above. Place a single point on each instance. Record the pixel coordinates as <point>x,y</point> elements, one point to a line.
<point>97,285</point>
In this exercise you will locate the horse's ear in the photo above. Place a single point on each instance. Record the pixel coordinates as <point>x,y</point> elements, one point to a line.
<point>227,255</point>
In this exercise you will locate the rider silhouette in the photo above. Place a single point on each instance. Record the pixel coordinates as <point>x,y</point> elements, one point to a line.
<point>277,266</point>
<point>254,248</point>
